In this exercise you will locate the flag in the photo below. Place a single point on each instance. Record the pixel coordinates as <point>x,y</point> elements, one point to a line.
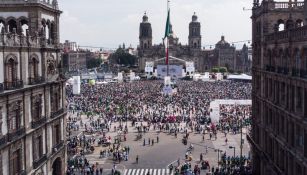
<point>168,26</point>
<point>167,33</point>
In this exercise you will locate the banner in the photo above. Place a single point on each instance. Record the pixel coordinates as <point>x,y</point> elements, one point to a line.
<point>76,85</point>
<point>175,71</point>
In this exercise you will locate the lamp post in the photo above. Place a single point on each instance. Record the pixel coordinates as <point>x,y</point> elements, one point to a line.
<point>234,150</point>
<point>241,141</point>
<point>127,108</point>
<point>218,157</point>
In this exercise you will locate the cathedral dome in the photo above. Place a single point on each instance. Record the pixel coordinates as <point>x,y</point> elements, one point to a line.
<point>194,17</point>
<point>145,17</point>
<point>222,43</point>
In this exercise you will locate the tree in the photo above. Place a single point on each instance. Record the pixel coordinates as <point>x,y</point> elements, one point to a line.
<point>215,70</point>
<point>222,69</point>
<point>120,56</point>
<point>93,63</point>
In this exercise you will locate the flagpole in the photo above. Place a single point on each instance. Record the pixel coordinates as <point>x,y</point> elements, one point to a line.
<point>167,43</point>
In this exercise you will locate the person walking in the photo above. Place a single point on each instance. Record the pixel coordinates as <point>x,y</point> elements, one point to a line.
<point>226,140</point>
<point>137,159</point>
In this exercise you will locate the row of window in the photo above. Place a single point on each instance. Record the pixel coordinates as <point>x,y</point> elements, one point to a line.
<point>15,111</point>
<point>12,75</point>
<point>16,158</point>
<point>291,97</point>
<point>281,157</point>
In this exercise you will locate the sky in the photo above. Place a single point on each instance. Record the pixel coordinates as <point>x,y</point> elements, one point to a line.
<point>109,23</point>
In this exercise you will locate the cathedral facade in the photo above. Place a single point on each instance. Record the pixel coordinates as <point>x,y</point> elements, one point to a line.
<point>32,93</point>
<point>224,54</point>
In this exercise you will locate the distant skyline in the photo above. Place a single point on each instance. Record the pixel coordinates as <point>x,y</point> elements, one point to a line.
<point>106,23</point>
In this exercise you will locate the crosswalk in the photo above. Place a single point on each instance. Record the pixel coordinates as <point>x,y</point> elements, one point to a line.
<point>145,172</point>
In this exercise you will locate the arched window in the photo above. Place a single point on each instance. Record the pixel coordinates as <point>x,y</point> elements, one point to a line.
<point>281,25</point>
<point>12,24</point>
<point>2,26</point>
<point>24,27</point>
<point>47,30</point>
<point>14,116</point>
<point>36,107</point>
<point>33,70</point>
<point>33,65</point>
<point>11,70</point>
<point>299,23</point>
<point>52,29</point>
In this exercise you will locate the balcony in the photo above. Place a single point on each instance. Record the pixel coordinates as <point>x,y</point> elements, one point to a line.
<point>57,147</point>
<point>36,80</point>
<point>57,113</point>
<point>38,162</point>
<point>3,141</point>
<point>38,123</point>
<point>14,135</point>
<point>17,84</point>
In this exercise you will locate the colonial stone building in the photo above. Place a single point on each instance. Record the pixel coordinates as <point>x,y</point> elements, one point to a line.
<point>224,54</point>
<point>74,60</point>
<point>32,96</point>
<point>279,124</point>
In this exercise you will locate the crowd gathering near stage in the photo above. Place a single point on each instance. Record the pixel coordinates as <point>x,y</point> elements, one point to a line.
<point>142,104</point>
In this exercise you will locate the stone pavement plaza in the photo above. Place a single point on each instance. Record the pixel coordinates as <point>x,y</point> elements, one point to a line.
<point>156,158</point>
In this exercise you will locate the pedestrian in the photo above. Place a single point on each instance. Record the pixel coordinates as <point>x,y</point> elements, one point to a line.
<point>171,168</point>
<point>137,159</point>
<point>226,140</point>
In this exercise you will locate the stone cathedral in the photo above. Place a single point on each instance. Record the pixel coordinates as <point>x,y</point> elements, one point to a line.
<point>224,54</point>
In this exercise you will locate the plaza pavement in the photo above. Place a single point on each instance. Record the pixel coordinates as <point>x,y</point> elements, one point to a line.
<point>168,150</point>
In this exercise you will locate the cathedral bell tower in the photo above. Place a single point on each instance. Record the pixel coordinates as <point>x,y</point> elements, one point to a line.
<point>194,33</point>
<point>145,33</point>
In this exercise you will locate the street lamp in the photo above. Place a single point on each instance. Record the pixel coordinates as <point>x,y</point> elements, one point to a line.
<point>218,157</point>
<point>234,150</point>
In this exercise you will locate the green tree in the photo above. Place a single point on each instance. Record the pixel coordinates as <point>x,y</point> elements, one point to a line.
<point>215,70</point>
<point>222,69</point>
<point>93,63</point>
<point>120,56</point>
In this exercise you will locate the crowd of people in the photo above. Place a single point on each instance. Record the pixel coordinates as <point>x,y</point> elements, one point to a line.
<point>143,101</point>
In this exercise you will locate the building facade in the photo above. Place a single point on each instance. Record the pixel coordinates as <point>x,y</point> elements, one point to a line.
<point>279,124</point>
<point>224,54</point>
<point>74,61</point>
<point>32,95</point>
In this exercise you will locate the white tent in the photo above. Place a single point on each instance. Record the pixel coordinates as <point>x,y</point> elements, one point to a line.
<point>243,77</point>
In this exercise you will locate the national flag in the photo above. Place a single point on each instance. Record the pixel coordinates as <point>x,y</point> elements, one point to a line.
<point>167,33</point>
<point>168,25</point>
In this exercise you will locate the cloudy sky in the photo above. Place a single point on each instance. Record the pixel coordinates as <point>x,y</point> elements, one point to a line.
<point>108,23</point>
